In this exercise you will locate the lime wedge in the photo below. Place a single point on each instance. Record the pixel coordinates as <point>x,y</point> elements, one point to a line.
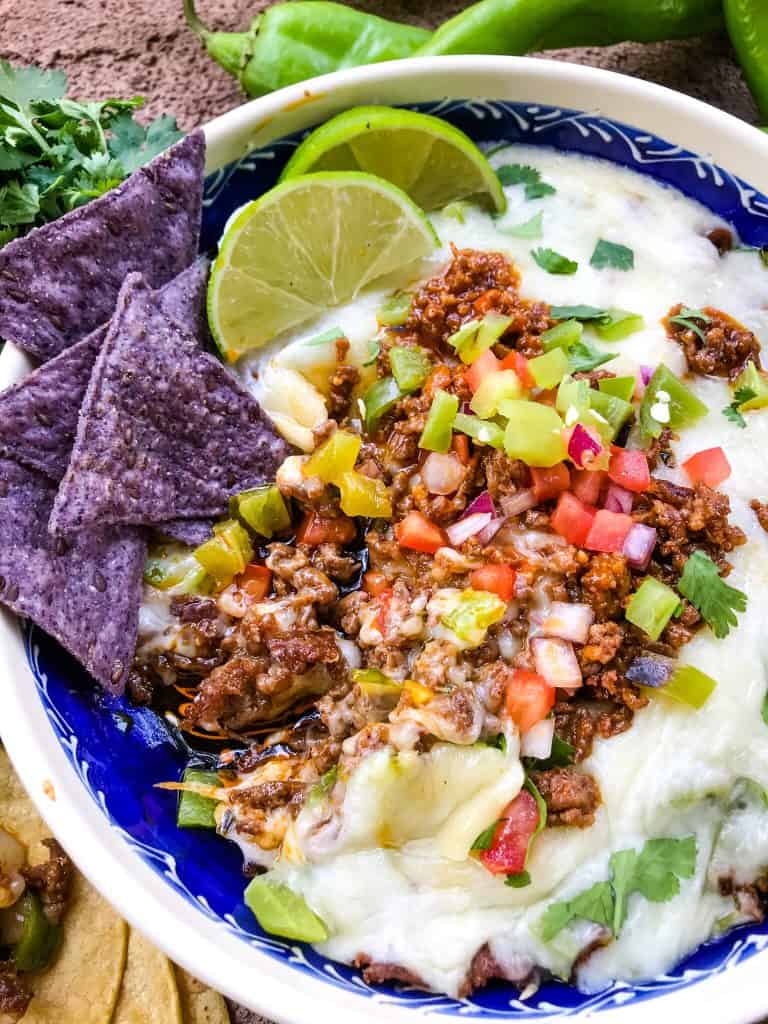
<point>312,242</point>
<point>426,157</point>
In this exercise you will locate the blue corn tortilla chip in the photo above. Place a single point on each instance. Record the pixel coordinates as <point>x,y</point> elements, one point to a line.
<point>165,431</point>
<point>38,415</point>
<point>86,592</point>
<point>186,531</point>
<point>61,281</point>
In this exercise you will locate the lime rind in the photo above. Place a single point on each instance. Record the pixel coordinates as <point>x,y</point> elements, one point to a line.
<point>312,242</point>
<point>431,160</point>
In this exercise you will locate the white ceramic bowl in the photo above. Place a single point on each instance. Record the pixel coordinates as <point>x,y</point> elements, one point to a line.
<point>204,946</point>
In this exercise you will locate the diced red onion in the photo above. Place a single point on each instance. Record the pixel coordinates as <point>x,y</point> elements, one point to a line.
<point>482,503</point>
<point>650,670</point>
<point>583,448</point>
<point>537,741</point>
<point>646,372</point>
<point>465,528</point>
<point>639,544</point>
<point>568,621</point>
<point>442,473</point>
<point>466,408</point>
<point>515,504</point>
<point>486,536</point>
<point>556,662</point>
<point>618,499</point>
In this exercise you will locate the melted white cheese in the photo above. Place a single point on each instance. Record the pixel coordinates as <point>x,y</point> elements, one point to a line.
<point>673,772</point>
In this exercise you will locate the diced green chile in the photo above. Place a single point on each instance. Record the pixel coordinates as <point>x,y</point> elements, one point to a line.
<point>684,407</point>
<point>379,399</point>
<point>281,911</point>
<point>263,509</point>
<point>410,367</point>
<point>394,311</point>
<point>194,810</point>
<point>39,937</point>
<point>438,430</point>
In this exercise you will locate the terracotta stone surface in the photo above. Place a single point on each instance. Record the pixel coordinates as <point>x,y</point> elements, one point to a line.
<point>128,47</point>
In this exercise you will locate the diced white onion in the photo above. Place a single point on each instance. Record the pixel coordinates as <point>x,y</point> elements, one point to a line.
<point>442,473</point>
<point>468,527</point>
<point>537,741</point>
<point>515,504</point>
<point>556,663</point>
<point>568,621</point>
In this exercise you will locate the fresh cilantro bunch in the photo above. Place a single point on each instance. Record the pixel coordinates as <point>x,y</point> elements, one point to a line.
<point>57,153</point>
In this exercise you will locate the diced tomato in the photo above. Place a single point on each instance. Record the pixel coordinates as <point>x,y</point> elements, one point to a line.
<point>587,484</point>
<point>460,445</point>
<point>375,583</point>
<point>629,469</point>
<point>516,361</point>
<point>487,301</point>
<point>573,519</point>
<point>317,529</point>
<point>709,467</point>
<point>385,601</point>
<point>549,483</point>
<point>420,534</point>
<point>485,363</point>
<point>509,849</point>
<point>500,579</point>
<point>256,581</point>
<point>608,531</point>
<point>529,698</point>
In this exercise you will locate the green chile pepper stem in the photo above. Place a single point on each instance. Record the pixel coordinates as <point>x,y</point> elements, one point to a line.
<point>518,26</point>
<point>747,22</point>
<point>230,49</point>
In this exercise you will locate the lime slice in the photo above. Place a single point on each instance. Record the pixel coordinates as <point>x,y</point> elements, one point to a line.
<point>429,159</point>
<point>312,242</point>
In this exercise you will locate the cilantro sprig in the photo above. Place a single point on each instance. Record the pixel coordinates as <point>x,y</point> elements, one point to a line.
<point>685,318</point>
<point>612,255</point>
<point>522,174</point>
<point>714,599</point>
<point>654,872</point>
<point>57,153</point>
<point>554,262</point>
<point>733,412</point>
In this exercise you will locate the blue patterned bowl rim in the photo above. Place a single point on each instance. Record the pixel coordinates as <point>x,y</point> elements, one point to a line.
<point>100,758</point>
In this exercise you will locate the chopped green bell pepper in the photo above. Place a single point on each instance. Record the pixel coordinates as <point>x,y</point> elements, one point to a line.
<point>652,606</point>
<point>281,911</point>
<point>379,399</point>
<point>39,937</point>
<point>195,810</point>
<point>376,684</point>
<point>335,457</point>
<point>619,387</point>
<point>494,389</point>
<point>474,612</point>
<point>410,367</point>
<point>667,402</point>
<point>687,685</point>
<point>395,310</point>
<point>615,412</point>
<point>170,567</point>
<point>262,510</point>
<point>562,335</point>
<point>751,378</point>
<point>438,430</point>
<point>476,336</point>
<point>548,370</point>
<point>363,496</point>
<point>482,431</point>
<point>227,553</point>
<point>533,433</point>
<point>617,324</point>
<point>572,398</point>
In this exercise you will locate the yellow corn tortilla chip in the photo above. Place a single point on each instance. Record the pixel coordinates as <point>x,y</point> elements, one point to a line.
<point>200,1004</point>
<point>82,984</point>
<point>148,994</point>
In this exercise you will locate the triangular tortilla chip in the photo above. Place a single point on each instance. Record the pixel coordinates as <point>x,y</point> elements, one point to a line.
<point>38,415</point>
<point>165,431</point>
<point>61,281</point>
<point>85,592</point>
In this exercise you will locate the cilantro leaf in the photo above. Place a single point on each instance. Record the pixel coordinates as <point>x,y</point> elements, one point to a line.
<point>538,189</point>
<point>522,174</point>
<point>577,313</point>
<point>485,840</point>
<point>25,86</point>
<point>685,319</point>
<point>528,229</point>
<point>518,881</point>
<point>732,412</point>
<point>135,146</point>
<point>764,709</point>
<point>613,255</point>
<point>18,204</point>
<point>717,602</point>
<point>561,755</point>
<point>583,356</point>
<point>623,864</point>
<point>594,904</point>
<point>660,866</point>
<point>554,262</point>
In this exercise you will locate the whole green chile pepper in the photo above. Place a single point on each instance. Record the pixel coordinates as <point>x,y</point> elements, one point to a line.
<point>519,26</point>
<point>291,42</point>
<point>747,22</point>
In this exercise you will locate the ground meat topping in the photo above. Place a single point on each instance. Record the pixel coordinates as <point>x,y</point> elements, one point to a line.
<point>572,797</point>
<point>760,508</point>
<point>377,973</point>
<point>342,384</point>
<point>52,880</point>
<point>725,349</point>
<point>15,997</point>
<point>579,723</point>
<point>485,967</point>
<point>606,584</point>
